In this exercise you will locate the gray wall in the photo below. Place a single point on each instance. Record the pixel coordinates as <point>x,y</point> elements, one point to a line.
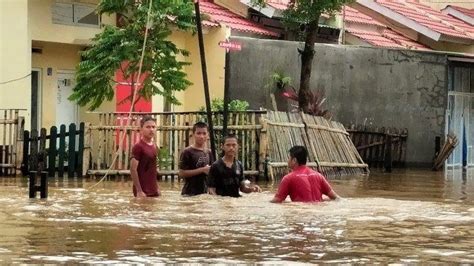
<point>378,87</point>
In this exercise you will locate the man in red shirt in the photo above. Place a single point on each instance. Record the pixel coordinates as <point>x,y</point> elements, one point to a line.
<point>303,184</point>
<point>143,168</point>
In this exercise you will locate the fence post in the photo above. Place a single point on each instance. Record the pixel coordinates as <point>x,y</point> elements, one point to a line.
<point>52,152</point>
<point>80,151</point>
<point>262,149</point>
<point>62,150</point>
<point>87,149</point>
<point>26,149</point>
<point>388,153</point>
<point>32,184</point>
<point>33,155</point>
<point>42,151</point>
<point>71,163</point>
<point>20,133</point>
<point>43,184</point>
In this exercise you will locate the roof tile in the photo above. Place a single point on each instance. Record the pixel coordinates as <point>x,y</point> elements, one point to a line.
<point>381,35</point>
<point>222,15</point>
<point>430,18</point>
<point>354,16</point>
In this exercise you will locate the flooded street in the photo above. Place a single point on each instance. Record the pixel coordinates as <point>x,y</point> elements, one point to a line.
<point>404,217</point>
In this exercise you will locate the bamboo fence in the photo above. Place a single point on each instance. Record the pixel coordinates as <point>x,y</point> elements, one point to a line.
<point>11,134</point>
<point>174,133</point>
<point>372,144</point>
<point>330,148</point>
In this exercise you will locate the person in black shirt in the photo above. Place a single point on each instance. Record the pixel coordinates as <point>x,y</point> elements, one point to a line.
<point>226,176</point>
<point>195,162</point>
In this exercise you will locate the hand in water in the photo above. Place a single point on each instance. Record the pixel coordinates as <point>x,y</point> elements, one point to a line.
<point>256,188</point>
<point>141,194</point>
<point>205,169</point>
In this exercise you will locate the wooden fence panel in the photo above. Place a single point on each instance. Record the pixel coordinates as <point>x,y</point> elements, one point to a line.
<point>174,133</point>
<point>62,150</point>
<point>41,153</point>
<point>10,139</point>
<point>53,152</point>
<point>329,147</point>
<point>373,146</point>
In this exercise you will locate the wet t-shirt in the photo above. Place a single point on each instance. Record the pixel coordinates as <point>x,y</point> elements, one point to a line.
<point>303,184</point>
<point>190,159</point>
<point>146,154</point>
<point>226,180</point>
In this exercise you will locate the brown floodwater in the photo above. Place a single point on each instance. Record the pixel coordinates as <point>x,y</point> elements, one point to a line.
<point>411,216</point>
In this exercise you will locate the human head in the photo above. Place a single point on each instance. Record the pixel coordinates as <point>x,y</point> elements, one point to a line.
<point>298,156</point>
<point>148,127</point>
<point>230,145</point>
<point>200,133</point>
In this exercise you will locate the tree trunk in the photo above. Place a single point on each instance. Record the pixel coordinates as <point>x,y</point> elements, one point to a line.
<point>307,56</point>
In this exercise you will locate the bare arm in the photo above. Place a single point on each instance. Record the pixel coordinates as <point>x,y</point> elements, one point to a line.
<point>283,191</point>
<point>194,172</point>
<point>276,200</point>
<point>332,195</point>
<point>211,190</point>
<point>134,174</point>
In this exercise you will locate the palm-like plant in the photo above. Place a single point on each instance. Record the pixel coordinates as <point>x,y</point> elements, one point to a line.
<point>315,100</point>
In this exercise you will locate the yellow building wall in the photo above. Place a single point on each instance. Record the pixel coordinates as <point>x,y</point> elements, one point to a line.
<point>179,39</point>
<point>43,28</point>
<point>193,97</point>
<point>15,61</point>
<point>59,57</point>
<point>448,46</point>
<point>215,60</point>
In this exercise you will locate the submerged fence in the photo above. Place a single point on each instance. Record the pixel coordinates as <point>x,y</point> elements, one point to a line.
<point>174,133</point>
<point>380,147</point>
<point>56,152</point>
<point>329,145</point>
<point>264,140</point>
<point>11,130</point>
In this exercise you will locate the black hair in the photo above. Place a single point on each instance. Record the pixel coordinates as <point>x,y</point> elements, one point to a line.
<point>145,119</point>
<point>229,136</point>
<point>200,125</point>
<point>300,153</point>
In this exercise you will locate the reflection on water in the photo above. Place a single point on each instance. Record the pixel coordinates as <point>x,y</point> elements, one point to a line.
<point>404,217</point>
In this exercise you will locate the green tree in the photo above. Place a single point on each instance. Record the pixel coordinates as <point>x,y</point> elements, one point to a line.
<point>217,105</point>
<point>119,48</point>
<point>302,16</point>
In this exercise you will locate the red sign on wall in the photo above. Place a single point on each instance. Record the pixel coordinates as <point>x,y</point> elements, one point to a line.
<point>232,46</point>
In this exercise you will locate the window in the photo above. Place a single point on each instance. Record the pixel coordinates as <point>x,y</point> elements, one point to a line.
<point>75,14</point>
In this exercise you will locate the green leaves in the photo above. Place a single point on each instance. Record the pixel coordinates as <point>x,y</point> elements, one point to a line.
<point>115,47</point>
<point>217,105</point>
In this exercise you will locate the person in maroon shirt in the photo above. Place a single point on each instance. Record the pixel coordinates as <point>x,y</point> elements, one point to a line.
<point>143,167</point>
<point>303,184</point>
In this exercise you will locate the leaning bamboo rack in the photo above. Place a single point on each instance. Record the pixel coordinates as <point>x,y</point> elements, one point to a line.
<point>330,148</point>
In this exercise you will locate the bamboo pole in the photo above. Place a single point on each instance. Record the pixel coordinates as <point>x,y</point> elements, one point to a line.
<point>19,143</point>
<point>3,144</point>
<point>10,142</point>
<point>86,156</point>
